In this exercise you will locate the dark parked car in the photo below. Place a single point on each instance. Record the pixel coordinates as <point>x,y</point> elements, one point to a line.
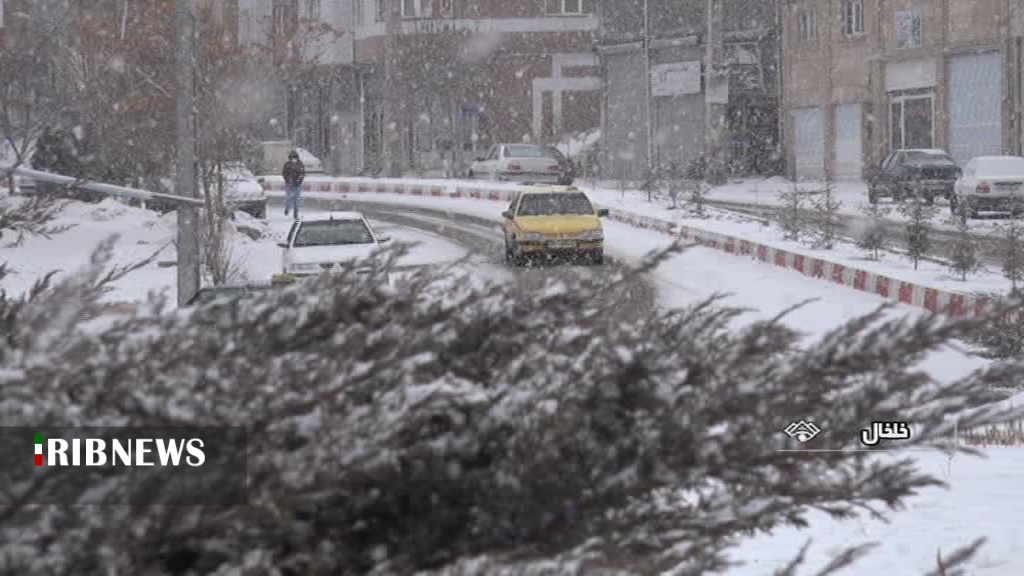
<point>927,174</point>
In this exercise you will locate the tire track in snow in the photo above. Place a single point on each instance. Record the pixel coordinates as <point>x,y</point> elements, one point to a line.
<point>483,238</point>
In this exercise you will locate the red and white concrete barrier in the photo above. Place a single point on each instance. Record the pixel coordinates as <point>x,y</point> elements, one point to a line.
<point>893,289</point>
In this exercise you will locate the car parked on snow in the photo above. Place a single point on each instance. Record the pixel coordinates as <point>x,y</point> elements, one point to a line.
<point>991,184</point>
<point>927,174</point>
<point>552,222</point>
<point>275,154</point>
<point>526,163</point>
<point>327,242</point>
<point>242,191</point>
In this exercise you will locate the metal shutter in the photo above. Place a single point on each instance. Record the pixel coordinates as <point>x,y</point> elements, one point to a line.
<point>625,136</point>
<point>849,150</point>
<point>809,147</point>
<point>975,106</point>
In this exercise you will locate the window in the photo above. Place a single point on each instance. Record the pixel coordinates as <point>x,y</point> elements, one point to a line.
<point>853,17</point>
<point>807,24</point>
<point>313,9</point>
<point>280,20</point>
<point>560,203</point>
<point>530,151</point>
<point>447,8</point>
<point>246,20</point>
<point>911,122</point>
<point>555,7</point>
<point>332,233</point>
<point>382,10</point>
<point>357,12</point>
<point>416,8</point>
<point>908,29</point>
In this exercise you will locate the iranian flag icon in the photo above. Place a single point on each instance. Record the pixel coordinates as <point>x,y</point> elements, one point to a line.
<point>39,449</point>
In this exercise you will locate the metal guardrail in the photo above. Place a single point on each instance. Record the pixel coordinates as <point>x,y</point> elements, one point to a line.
<point>110,189</point>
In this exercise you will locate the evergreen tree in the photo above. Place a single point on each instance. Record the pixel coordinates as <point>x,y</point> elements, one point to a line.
<point>874,238</point>
<point>674,177</point>
<point>384,447</point>
<point>917,234</point>
<point>790,212</point>
<point>963,256</point>
<point>1011,250</point>
<point>825,217</point>
<point>695,173</point>
<point>651,183</point>
<point>1001,336</point>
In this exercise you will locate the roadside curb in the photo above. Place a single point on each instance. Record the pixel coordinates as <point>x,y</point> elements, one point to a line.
<point>956,304</point>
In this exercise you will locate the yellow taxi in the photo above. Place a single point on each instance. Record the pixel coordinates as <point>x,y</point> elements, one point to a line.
<point>553,221</point>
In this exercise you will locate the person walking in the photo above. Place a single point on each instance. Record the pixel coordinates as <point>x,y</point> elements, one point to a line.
<point>294,173</point>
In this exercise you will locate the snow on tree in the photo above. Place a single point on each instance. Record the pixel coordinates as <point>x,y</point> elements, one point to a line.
<point>874,237</point>
<point>1002,336</point>
<point>521,427</point>
<point>652,182</point>
<point>695,173</point>
<point>824,216</point>
<point>917,234</point>
<point>790,214</point>
<point>964,254</point>
<point>29,217</point>
<point>674,176</point>
<point>1011,248</point>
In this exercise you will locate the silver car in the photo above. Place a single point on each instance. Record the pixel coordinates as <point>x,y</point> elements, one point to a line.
<point>990,184</point>
<point>525,163</point>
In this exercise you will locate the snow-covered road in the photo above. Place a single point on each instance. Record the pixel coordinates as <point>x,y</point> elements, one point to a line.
<point>693,275</point>
<point>986,496</point>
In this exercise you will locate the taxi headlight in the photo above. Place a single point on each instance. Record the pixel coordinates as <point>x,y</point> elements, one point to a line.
<point>532,236</point>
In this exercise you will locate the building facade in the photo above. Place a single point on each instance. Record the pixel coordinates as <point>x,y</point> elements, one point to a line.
<point>303,56</point>
<point>375,86</point>
<point>865,77</point>
<point>658,99</point>
<point>458,75</point>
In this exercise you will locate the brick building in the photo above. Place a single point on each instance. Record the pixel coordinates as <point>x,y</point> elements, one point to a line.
<point>864,77</point>
<point>472,72</point>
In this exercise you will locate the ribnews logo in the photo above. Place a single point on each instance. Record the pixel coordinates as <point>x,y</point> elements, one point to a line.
<point>124,465</point>
<point>136,452</point>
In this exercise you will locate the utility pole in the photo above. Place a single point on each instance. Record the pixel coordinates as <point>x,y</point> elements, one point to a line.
<point>186,185</point>
<point>716,95</point>
<point>647,89</point>
<point>394,92</point>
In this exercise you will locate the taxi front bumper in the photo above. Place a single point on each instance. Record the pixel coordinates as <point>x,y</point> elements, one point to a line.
<point>561,247</point>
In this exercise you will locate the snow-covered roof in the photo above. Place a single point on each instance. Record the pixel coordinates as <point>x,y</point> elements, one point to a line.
<point>306,157</point>
<point>1000,166</point>
<point>334,216</point>
<point>578,143</point>
<point>933,151</point>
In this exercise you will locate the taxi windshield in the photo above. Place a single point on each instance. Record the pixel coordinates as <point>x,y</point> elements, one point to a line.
<point>545,204</point>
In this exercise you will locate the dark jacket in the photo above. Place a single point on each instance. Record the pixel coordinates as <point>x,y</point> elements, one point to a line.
<point>294,172</point>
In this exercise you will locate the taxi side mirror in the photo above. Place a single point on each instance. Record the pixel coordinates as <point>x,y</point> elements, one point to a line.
<point>507,214</point>
<point>601,213</point>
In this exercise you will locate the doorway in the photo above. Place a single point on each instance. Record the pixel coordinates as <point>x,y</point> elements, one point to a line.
<point>911,121</point>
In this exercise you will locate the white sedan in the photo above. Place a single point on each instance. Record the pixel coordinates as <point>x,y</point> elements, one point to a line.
<point>990,184</point>
<point>526,163</point>
<point>325,242</point>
